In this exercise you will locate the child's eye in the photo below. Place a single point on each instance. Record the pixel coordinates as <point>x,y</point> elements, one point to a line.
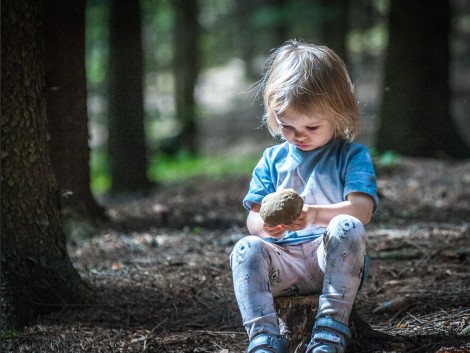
<point>313,128</point>
<point>287,127</point>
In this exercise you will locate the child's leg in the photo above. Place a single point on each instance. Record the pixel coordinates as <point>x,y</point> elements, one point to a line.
<point>262,271</point>
<point>249,261</point>
<point>341,256</point>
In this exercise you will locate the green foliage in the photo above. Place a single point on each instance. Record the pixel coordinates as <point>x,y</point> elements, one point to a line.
<point>97,47</point>
<point>300,14</point>
<point>99,168</point>
<point>372,41</point>
<point>185,167</point>
<point>167,169</point>
<point>387,160</point>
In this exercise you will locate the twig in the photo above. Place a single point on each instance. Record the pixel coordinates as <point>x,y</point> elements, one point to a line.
<point>417,319</point>
<point>159,324</point>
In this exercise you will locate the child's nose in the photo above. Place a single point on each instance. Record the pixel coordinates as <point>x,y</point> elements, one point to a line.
<point>300,136</point>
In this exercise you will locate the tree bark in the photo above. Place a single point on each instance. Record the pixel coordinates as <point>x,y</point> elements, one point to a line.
<point>37,275</point>
<point>64,28</point>
<point>127,145</point>
<point>415,115</point>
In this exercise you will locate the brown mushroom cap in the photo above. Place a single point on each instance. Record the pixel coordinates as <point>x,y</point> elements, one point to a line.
<point>281,207</point>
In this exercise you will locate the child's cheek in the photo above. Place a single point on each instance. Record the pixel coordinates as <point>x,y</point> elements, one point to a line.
<point>289,136</point>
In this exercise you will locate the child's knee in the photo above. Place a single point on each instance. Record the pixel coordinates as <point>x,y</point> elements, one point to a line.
<point>345,229</point>
<point>246,250</point>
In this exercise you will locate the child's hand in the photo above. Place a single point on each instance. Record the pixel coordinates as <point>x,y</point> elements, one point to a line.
<point>306,218</point>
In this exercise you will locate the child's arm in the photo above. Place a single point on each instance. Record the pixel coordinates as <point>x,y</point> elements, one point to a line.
<point>358,204</point>
<point>256,225</point>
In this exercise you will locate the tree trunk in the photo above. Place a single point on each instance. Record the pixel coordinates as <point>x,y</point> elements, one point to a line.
<point>37,274</point>
<point>186,71</point>
<point>336,26</point>
<point>415,116</point>
<point>127,145</point>
<point>64,28</point>
<point>243,38</point>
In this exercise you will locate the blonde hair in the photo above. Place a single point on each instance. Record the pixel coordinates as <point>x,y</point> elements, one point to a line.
<point>306,78</point>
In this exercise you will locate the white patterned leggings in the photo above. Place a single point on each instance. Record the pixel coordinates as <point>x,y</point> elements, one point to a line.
<point>332,265</point>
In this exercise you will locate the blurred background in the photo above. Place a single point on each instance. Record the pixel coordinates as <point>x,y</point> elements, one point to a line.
<point>195,63</point>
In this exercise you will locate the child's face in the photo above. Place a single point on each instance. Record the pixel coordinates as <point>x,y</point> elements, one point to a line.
<point>305,132</point>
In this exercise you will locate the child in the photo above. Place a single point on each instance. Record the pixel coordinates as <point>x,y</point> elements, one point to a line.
<point>309,103</point>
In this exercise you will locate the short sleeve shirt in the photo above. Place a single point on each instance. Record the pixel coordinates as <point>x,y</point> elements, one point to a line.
<point>323,176</point>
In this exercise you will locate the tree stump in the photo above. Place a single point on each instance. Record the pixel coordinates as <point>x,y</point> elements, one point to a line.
<point>297,317</point>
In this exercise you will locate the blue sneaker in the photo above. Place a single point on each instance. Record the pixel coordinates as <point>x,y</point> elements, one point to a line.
<point>329,336</point>
<point>264,343</point>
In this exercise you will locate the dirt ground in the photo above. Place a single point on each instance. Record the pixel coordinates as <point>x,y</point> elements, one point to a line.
<point>161,279</point>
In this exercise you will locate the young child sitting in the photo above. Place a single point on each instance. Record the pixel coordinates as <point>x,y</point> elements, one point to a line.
<point>309,103</point>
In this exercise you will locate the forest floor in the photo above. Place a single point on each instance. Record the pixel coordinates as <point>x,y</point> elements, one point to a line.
<point>160,274</point>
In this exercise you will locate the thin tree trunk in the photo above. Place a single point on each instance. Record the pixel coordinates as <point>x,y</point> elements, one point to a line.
<point>127,145</point>
<point>67,104</point>
<point>336,26</point>
<point>186,71</point>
